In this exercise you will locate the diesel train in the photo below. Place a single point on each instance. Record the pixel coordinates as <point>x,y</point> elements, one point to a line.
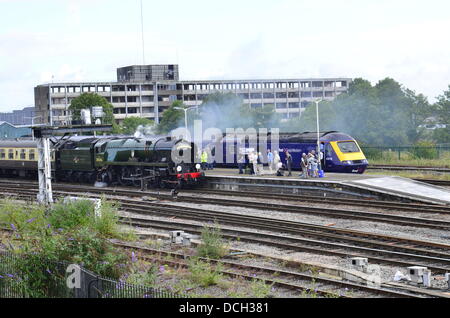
<point>340,152</point>
<point>160,161</point>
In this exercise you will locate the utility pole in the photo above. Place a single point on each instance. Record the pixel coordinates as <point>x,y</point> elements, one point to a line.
<point>45,195</point>
<point>42,134</point>
<point>32,124</point>
<point>185,116</point>
<point>318,134</point>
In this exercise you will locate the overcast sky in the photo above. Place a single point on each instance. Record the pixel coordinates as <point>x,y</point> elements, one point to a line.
<point>86,40</point>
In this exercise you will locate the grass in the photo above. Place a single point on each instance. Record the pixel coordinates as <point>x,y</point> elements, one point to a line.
<point>408,159</point>
<point>438,163</point>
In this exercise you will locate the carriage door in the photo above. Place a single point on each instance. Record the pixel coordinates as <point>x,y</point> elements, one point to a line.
<point>328,156</point>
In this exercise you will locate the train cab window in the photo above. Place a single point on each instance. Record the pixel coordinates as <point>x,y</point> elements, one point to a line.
<point>31,155</point>
<point>11,154</point>
<point>348,146</point>
<point>23,154</point>
<point>2,154</point>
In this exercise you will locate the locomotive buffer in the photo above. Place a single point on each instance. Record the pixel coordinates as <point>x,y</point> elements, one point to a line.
<point>42,135</point>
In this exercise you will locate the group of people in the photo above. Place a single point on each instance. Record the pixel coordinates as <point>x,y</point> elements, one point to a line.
<point>310,165</point>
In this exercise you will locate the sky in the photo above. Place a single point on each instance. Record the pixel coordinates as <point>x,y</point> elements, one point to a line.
<point>86,40</point>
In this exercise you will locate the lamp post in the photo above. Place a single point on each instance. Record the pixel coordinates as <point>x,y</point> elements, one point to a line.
<point>32,124</point>
<point>185,115</point>
<point>318,134</point>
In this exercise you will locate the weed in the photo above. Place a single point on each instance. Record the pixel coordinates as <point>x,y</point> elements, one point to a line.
<point>203,273</point>
<point>212,245</point>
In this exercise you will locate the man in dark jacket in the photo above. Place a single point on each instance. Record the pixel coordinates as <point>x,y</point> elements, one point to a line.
<point>288,161</point>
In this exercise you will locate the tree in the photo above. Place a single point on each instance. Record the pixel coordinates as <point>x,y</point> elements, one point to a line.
<point>172,118</point>
<point>384,114</point>
<point>308,120</point>
<point>89,100</point>
<point>442,110</point>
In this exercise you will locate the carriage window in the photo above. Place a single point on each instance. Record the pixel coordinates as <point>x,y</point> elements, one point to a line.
<point>22,154</point>
<point>348,146</point>
<point>31,154</point>
<point>2,154</point>
<point>11,154</point>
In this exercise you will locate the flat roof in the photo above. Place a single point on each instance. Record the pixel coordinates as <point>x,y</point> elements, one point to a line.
<point>202,81</point>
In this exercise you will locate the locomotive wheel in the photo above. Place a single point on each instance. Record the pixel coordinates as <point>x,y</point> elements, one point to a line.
<point>137,182</point>
<point>124,173</point>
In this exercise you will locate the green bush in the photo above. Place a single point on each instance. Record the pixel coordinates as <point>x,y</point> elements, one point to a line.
<point>372,152</point>
<point>72,214</point>
<point>203,273</point>
<point>424,150</point>
<point>67,232</point>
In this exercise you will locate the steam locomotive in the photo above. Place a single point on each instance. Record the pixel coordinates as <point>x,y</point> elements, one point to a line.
<point>160,161</point>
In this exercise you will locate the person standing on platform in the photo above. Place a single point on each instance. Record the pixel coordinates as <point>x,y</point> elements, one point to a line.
<point>204,160</point>
<point>270,160</point>
<point>255,162</point>
<point>288,162</point>
<point>304,166</point>
<point>312,164</point>
<point>241,162</point>
<point>276,161</point>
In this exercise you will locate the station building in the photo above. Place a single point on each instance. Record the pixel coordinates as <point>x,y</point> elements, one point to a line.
<point>148,90</point>
<point>10,131</point>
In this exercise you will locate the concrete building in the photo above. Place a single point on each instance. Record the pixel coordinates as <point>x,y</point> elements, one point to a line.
<point>146,91</point>
<point>19,117</point>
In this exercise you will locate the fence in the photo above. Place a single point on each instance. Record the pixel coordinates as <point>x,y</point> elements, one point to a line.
<point>52,283</point>
<point>406,152</point>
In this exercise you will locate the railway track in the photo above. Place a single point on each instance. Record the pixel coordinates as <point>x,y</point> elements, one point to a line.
<point>286,208</point>
<point>372,203</point>
<point>299,207</point>
<point>294,235</point>
<point>306,282</point>
<point>310,284</point>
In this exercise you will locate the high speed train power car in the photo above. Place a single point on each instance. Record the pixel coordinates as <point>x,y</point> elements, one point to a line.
<point>159,161</point>
<point>340,152</point>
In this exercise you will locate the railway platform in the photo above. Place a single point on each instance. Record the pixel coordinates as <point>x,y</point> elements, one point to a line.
<point>332,184</point>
